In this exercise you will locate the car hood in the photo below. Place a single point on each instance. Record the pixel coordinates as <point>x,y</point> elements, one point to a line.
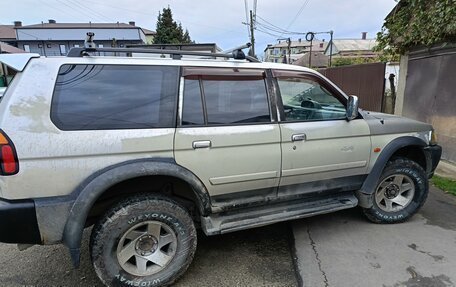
<point>380,123</point>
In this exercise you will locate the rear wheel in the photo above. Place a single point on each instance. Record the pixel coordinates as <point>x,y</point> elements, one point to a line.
<point>143,241</point>
<point>401,191</point>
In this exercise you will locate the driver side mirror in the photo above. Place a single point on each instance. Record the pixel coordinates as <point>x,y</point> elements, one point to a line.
<point>352,108</point>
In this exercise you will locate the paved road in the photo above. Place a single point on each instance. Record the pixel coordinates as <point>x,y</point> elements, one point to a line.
<point>259,257</point>
<point>343,249</point>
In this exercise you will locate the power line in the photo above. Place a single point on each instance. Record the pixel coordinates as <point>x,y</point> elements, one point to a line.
<point>92,11</point>
<point>74,8</point>
<point>297,14</point>
<point>59,9</point>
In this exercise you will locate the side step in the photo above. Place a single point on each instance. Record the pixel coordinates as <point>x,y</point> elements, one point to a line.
<point>268,214</point>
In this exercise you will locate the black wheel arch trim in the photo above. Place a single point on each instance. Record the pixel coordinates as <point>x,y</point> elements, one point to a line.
<point>86,194</point>
<point>368,187</point>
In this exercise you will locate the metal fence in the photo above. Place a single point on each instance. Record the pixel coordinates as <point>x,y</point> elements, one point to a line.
<point>430,93</point>
<point>367,81</point>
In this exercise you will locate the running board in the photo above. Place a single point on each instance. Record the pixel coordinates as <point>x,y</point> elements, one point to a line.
<point>225,222</point>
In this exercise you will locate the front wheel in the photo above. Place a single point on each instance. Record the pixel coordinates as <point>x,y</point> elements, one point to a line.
<point>143,241</point>
<point>401,191</point>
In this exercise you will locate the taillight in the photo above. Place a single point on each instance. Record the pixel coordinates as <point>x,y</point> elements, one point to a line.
<point>9,163</point>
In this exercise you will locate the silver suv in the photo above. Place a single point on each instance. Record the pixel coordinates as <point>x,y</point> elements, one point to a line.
<point>148,149</point>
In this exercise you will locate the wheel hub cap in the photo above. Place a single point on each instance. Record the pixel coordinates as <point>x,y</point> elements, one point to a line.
<point>146,245</point>
<point>391,191</point>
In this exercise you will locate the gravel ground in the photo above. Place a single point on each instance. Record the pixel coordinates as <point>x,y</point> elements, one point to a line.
<point>256,257</point>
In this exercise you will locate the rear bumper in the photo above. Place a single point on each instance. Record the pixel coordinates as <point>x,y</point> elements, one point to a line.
<point>433,154</point>
<point>18,222</point>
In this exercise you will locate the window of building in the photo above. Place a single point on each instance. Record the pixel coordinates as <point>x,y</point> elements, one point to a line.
<point>49,45</point>
<point>95,97</point>
<point>100,46</point>
<point>306,100</point>
<point>27,48</point>
<point>76,45</point>
<point>62,49</point>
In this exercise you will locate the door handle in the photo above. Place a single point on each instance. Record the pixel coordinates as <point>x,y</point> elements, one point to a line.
<point>201,144</point>
<point>298,137</point>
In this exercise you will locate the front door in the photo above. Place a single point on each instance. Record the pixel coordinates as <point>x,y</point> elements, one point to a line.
<point>321,150</point>
<point>227,136</point>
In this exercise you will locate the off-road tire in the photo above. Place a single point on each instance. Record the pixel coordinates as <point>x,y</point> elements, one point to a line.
<point>109,230</point>
<point>417,175</point>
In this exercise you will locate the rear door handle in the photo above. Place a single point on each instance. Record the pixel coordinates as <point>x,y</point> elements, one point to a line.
<point>201,144</point>
<point>298,137</point>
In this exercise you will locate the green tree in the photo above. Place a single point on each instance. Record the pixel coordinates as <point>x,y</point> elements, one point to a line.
<point>168,31</point>
<point>417,23</point>
<point>337,62</point>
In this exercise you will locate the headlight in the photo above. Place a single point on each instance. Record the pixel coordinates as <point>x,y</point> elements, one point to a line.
<point>433,140</point>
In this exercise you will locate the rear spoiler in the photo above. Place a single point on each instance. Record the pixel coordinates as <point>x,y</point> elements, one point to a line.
<point>17,61</point>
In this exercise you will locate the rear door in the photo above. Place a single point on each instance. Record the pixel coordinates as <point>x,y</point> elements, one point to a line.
<point>227,135</point>
<point>321,150</point>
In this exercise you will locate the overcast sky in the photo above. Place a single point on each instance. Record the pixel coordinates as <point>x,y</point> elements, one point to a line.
<point>214,21</point>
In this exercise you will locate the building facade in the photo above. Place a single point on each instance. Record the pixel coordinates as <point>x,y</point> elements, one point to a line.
<point>56,39</point>
<point>279,53</point>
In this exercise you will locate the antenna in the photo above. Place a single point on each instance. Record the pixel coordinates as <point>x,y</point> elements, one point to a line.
<point>89,43</point>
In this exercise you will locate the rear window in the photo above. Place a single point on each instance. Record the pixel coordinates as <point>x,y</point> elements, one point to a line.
<point>94,97</point>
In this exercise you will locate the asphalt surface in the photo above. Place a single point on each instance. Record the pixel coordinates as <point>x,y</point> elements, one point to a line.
<point>338,249</point>
<point>344,249</point>
<point>257,257</point>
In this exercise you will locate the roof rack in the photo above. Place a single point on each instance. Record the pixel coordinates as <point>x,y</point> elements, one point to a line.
<point>236,53</point>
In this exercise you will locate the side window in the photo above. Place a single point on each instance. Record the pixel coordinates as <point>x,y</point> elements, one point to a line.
<point>230,96</point>
<point>233,100</point>
<point>192,112</point>
<point>96,97</point>
<point>306,100</point>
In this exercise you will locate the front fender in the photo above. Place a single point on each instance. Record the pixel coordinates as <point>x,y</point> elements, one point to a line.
<point>364,195</point>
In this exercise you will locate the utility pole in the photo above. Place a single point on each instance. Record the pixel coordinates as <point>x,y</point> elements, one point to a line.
<point>289,50</point>
<point>330,48</point>
<point>252,37</point>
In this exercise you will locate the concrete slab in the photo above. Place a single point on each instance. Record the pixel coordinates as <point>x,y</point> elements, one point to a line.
<point>344,249</point>
<point>446,169</point>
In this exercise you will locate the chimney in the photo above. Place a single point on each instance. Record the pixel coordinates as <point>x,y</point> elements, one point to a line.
<point>364,35</point>
<point>51,21</point>
<point>132,23</point>
<point>17,23</point>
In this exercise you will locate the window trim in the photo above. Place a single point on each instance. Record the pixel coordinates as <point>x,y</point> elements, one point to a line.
<point>309,76</point>
<point>200,72</point>
<point>175,106</point>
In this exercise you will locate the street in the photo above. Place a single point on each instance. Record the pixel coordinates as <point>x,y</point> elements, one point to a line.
<point>344,249</point>
<point>339,249</point>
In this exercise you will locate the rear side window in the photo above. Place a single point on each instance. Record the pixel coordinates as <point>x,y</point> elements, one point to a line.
<point>230,101</point>
<point>224,96</point>
<point>95,97</point>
